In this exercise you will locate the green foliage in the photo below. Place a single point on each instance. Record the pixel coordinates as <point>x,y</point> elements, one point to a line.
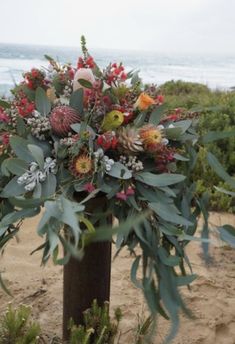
<point>98,327</point>
<point>144,330</point>
<point>43,104</point>
<point>16,327</point>
<point>179,88</point>
<point>216,113</point>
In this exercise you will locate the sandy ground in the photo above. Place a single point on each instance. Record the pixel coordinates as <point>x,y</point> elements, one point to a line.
<point>212,298</point>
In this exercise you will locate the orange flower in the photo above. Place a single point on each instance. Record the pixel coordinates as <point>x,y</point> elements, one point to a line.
<point>151,137</point>
<point>144,101</point>
<point>81,166</point>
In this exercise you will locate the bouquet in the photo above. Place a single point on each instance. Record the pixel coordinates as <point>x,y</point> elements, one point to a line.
<point>70,134</point>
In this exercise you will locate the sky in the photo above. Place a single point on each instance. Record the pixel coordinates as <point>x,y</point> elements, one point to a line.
<point>199,26</point>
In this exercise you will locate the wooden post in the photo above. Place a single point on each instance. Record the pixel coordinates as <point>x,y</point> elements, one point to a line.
<point>86,280</point>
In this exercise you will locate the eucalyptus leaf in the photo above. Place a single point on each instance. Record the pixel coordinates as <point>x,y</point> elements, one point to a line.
<point>20,147</point>
<point>43,104</point>
<point>167,213</point>
<point>159,180</point>
<point>185,280</point>
<point>219,170</point>
<point>134,269</point>
<point>180,157</point>
<point>119,171</point>
<point>4,104</point>
<point>227,234</point>
<point>18,215</point>
<point>139,120</point>
<point>12,189</point>
<point>85,83</point>
<point>227,192</point>
<point>22,202</point>
<point>49,186</point>
<point>21,127</point>
<point>76,100</point>
<point>168,259</point>
<point>157,114</point>
<point>37,153</point>
<point>212,136</point>
<point>173,133</point>
<point>15,166</point>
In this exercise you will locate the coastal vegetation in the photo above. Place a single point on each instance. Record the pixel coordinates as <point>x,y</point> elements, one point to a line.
<point>215,112</point>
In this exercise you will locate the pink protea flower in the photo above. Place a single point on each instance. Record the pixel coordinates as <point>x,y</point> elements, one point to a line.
<point>85,74</point>
<point>61,119</point>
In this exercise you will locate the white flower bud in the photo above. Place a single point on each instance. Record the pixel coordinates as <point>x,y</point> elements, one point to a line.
<point>30,186</point>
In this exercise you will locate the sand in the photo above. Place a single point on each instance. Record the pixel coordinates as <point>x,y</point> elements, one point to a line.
<point>212,296</point>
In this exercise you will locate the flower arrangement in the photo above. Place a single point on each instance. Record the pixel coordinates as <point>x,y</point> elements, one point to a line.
<point>87,132</point>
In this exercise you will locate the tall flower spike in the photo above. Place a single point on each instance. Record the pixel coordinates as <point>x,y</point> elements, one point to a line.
<point>83,46</point>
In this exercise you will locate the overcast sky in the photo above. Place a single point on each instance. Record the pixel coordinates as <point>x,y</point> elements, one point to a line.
<point>204,26</point>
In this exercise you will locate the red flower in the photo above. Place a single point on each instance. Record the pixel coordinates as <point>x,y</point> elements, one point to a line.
<point>71,73</point>
<point>108,140</point>
<point>29,84</point>
<point>123,76</point>
<point>163,157</point>
<point>160,99</point>
<point>171,118</point>
<point>34,73</point>
<point>107,101</point>
<point>80,63</point>
<point>3,116</point>
<point>25,107</point>
<point>5,139</point>
<point>128,117</point>
<point>90,62</point>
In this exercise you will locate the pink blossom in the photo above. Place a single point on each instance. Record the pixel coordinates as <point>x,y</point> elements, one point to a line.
<point>4,117</point>
<point>89,187</point>
<point>130,191</point>
<point>4,138</point>
<point>121,195</point>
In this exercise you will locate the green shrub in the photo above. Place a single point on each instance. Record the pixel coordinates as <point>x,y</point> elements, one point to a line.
<point>216,113</point>
<point>16,327</point>
<point>98,327</point>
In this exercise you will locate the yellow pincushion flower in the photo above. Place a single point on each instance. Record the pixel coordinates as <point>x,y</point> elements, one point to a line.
<point>81,166</point>
<point>152,137</point>
<point>144,101</point>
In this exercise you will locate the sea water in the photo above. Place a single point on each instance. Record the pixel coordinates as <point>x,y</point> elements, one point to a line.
<point>216,71</point>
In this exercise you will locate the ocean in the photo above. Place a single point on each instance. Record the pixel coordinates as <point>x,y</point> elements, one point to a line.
<point>216,71</point>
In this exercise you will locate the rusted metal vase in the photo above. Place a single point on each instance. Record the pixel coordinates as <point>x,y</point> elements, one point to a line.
<point>87,279</point>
